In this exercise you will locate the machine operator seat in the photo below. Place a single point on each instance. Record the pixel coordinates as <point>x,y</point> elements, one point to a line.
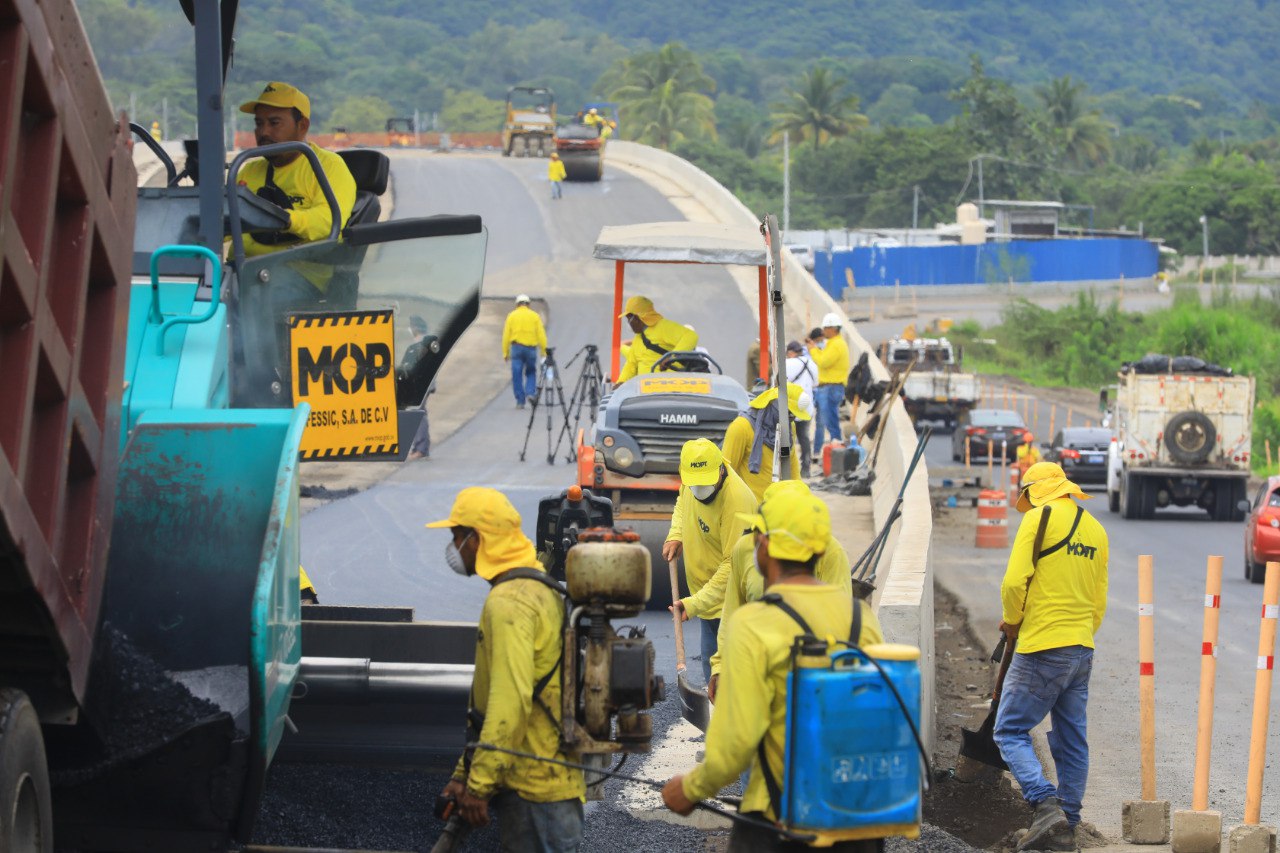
<point>370,169</point>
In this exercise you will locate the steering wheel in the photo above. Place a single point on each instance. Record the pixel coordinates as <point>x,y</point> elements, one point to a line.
<point>686,361</point>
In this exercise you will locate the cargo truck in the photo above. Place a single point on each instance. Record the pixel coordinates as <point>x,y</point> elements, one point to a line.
<point>935,389</point>
<point>1181,437</point>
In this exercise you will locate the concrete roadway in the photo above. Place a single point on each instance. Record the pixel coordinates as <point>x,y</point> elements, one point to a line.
<point>1180,541</point>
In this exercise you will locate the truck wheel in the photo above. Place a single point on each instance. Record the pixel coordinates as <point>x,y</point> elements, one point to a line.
<point>1255,572</point>
<point>1239,492</point>
<point>1146,490</point>
<point>1190,437</point>
<point>26,811</point>
<point>1113,500</point>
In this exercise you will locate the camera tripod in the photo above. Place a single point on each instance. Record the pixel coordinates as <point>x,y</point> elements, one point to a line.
<point>586,393</point>
<point>548,393</point>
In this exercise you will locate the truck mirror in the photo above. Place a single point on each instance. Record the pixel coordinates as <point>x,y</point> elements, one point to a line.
<point>1102,400</point>
<point>1244,506</point>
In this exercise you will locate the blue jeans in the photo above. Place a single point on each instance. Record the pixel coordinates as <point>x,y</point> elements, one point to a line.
<point>524,372</point>
<point>1054,683</point>
<point>827,398</point>
<point>527,827</point>
<point>710,642</point>
<point>555,189</point>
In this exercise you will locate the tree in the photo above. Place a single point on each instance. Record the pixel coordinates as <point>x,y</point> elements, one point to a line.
<point>361,114</point>
<point>468,109</point>
<point>818,108</point>
<point>663,95</point>
<point>1084,137</point>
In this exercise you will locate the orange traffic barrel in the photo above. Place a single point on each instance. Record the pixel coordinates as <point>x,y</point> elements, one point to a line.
<point>993,519</point>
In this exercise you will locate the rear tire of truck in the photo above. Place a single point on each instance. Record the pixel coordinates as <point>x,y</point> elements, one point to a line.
<point>1113,500</point>
<point>1130,497</point>
<point>1254,572</point>
<point>1190,437</point>
<point>26,808</point>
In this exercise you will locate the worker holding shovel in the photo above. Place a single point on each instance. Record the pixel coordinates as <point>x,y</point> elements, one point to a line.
<point>1054,596</point>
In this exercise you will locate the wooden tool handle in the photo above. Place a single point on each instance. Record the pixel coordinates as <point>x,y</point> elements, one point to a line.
<point>675,615</point>
<point>1005,660</point>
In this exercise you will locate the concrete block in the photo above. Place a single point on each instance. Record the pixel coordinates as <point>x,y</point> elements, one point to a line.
<point>1145,821</point>
<point>1252,839</point>
<point>1197,832</point>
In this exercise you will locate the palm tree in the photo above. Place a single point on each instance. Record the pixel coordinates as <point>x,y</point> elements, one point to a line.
<point>663,95</point>
<point>817,109</point>
<point>1085,136</point>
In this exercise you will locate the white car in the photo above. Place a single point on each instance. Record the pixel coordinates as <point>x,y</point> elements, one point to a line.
<point>803,254</point>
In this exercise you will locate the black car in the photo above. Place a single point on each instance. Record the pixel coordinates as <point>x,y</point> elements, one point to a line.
<point>1082,453</point>
<point>980,426</point>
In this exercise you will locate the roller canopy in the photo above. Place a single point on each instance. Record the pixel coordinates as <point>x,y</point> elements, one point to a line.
<point>682,242</point>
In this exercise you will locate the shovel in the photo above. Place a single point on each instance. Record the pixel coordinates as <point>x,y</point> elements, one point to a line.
<point>980,746</point>
<point>694,704</point>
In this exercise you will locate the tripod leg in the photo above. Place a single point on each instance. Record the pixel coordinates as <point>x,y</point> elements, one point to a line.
<point>533,414</point>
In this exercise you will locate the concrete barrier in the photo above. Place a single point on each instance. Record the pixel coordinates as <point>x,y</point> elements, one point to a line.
<point>906,583</point>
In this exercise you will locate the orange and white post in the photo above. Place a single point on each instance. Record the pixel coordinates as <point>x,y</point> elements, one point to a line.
<point>1146,821</point>
<point>1199,830</point>
<point>1262,694</point>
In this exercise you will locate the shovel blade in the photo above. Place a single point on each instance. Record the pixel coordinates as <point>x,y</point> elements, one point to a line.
<point>694,704</point>
<point>981,745</point>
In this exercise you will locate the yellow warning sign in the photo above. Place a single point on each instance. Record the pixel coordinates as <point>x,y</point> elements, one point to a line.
<point>341,365</point>
<point>674,385</point>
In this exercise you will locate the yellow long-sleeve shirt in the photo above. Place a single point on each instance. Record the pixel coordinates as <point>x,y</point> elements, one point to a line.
<point>518,642</point>
<point>665,334</point>
<point>751,701</point>
<point>1061,601</point>
<point>832,360</point>
<point>556,170</point>
<point>738,439</point>
<point>310,219</point>
<point>745,585</point>
<point>708,533</point>
<point>524,327</point>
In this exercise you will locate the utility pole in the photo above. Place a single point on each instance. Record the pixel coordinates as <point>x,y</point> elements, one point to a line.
<point>1204,236</point>
<point>786,182</point>
<point>981,195</point>
<point>915,207</point>
<point>164,118</point>
<point>133,106</point>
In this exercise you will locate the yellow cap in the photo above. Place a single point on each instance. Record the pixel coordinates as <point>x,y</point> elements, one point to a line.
<point>700,462</point>
<point>642,307</point>
<point>786,485</point>
<point>280,95</point>
<point>1043,482</point>
<point>797,523</point>
<point>793,401</point>
<point>502,544</point>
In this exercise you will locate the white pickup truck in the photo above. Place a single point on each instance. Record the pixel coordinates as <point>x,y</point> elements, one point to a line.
<point>935,389</point>
<point>1181,436</point>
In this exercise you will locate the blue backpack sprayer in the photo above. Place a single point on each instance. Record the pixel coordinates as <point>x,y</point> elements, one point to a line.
<point>851,764</point>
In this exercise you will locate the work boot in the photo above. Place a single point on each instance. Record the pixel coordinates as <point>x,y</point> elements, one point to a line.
<point>1047,820</point>
<point>1062,841</point>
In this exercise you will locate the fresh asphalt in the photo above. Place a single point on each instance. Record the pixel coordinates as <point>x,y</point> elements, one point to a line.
<point>1180,540</point>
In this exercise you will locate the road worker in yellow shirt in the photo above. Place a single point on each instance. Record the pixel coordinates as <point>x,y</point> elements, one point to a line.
<point>655,337</point>
<point>831,355</point>
<point>749,440</point>
<point>524,339</point>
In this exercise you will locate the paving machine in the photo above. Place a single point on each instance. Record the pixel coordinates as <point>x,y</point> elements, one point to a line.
<point>581,144</point>
<point>401,132</point>
<point>153,650</point>
<point>530,126</point>
<point>631,453</point>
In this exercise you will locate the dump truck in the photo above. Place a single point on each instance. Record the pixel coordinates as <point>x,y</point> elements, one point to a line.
<point>1182,432</point>
<point>936,389</point>
<point>153,649</point>
<point>529,128</point>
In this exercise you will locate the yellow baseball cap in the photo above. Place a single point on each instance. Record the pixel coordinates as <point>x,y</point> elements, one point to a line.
<point>700,462</point>
<point>1043,482</point>
<point>502,543</point>
<point>280,95</point>
<point>797,523</point>
<point>793,400</point>
<point>642,307</point>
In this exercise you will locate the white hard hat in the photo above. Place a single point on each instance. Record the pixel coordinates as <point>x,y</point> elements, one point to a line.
<point>832,321</point>
<point>522,299</point>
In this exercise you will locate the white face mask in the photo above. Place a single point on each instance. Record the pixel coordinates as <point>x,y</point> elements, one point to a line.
<point>703,493</point>
<point>453,557</point>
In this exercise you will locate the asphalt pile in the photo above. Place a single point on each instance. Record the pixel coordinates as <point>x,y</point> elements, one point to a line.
<point>135,705</point>
<point>857,482</point>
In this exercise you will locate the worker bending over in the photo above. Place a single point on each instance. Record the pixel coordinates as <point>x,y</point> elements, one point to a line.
<point>524,339</point>
<point>790,531</point>
<point>1054,596</point>
<point>704,526</point>
<point>831,355</point>
<point>746,585</point>
<point>749,441</point>
<point>515,694</point>
<point>655,337</point>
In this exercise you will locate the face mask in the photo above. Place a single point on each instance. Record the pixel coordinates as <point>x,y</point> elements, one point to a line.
<point>453,557</point>
<point>703,493</point>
